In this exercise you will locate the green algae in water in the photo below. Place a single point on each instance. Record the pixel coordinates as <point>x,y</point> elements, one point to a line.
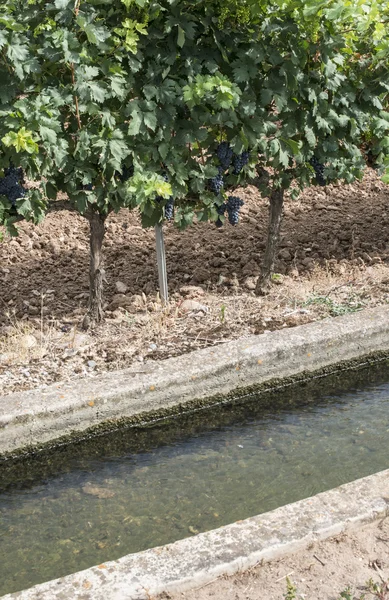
<point>136,489</point>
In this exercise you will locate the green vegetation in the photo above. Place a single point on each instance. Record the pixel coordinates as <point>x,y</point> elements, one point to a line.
<point>124,104</point>
<point>377,591</point>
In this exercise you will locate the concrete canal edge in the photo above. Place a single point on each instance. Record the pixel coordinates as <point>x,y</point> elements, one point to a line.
<point>156,389</point>
<point>198,560</point>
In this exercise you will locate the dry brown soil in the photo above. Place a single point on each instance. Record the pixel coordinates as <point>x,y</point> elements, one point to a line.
<point>333,259</point>
<point>322,571</point>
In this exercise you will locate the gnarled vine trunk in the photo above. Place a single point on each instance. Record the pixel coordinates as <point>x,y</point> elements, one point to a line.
<point>96,271</point>
<point>273,237</point>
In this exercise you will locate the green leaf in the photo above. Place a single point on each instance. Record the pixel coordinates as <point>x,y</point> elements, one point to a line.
<point>135,124</point>
<point>283,157</point>
<point>180,37</point>
<point>163,150</point>
<point>274,147</point>
<point>266,96</point>
<point>310,136</point>
<point>293,145</point>
<point>150,120</point>
<point>47,134</point>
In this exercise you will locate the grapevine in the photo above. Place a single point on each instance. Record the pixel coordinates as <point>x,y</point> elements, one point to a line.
<point>128,89</point>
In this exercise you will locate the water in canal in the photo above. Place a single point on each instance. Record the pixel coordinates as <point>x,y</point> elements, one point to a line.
<point>136,489</point>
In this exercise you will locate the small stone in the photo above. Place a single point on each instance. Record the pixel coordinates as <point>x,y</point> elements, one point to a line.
<point>28,341</point>
<point>92,364</point>
<point>99,492</point>
<point>250,283</point>
<point>309,263</point>
<point>119,301</point>
<point>69,353</point>
<point>193,530</point>
<point>284,254</point>
<point>218,262</point>
<point>193,306</point>
<point>121,287</point>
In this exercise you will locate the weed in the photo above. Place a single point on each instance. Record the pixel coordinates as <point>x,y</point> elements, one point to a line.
<point>348,594</point>
<point>378,591</point>
<point>222,313</point>
<point>335,309</point>
<point>291,590</point>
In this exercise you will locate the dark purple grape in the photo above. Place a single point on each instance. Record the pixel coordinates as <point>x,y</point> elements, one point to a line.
<point>126,174</point>
<point>319,171</point>
<point>169,209</point>
<point>220,209</point>
<point>11,184</point>
<point>224,154</point>
<point>239,161</point>
<point>234,205</point>
<point>216,183</point>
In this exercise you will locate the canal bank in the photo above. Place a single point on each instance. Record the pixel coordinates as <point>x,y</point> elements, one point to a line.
<point>204,378</point>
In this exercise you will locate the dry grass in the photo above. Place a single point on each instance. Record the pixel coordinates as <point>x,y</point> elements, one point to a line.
<point>147,330</point>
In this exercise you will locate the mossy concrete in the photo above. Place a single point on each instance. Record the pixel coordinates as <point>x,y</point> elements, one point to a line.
<point>154,390</point>
<point>198,560</point>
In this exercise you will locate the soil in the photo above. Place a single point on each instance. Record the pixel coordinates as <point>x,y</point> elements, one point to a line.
<point>333,259</point>
<point>322,571</point>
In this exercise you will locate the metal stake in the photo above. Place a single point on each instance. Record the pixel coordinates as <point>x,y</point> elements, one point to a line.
<point>161,260</point>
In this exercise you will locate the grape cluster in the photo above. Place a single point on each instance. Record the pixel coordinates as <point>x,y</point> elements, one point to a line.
<point>234,205</point>
<point>88,187</point>
<point>220,211</point>
<point>319,170</point>
<point>239,161</point>
<point>11,185</point>
<point>169,209</point>
<point>126,174</point>
<point>224,154</point>
<point>216,183</point>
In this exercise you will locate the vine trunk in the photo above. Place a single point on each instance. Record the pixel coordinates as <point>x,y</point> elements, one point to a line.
<point>96,270</point>
<point>273,238</point>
